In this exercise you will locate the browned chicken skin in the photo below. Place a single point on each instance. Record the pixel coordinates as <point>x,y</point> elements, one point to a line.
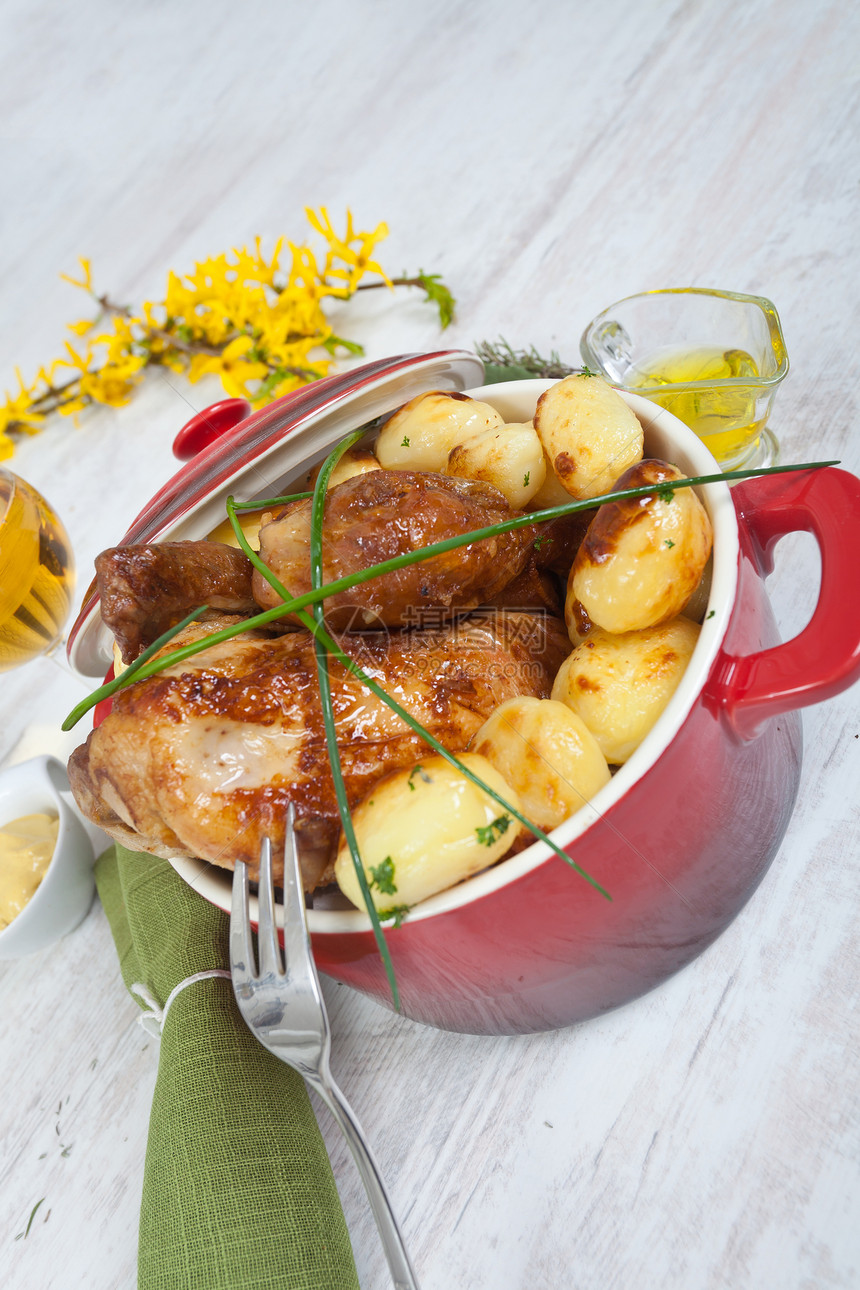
<point>373,517</point>
<point>203,759</point>
<point>146,589</point>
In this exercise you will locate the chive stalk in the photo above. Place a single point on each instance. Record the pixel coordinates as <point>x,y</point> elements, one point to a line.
<point>131,672</point>
<point>271,501</point>
<point>324,680</point>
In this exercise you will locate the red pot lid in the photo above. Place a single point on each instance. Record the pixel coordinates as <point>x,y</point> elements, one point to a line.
<point>247,455</point>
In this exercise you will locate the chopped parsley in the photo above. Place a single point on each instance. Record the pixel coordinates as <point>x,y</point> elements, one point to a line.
<point>526,478</point>
<point>397,912</point>
<point>669,543</point>
<point>404,442</point>
<point>382,877</point>
<point>711,613</point>
<point>488,833</point>
<point>420,771</point>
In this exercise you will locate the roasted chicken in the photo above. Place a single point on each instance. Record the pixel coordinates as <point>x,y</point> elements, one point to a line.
<point>143,590</point>
<point>373,517</point>
<point>203,759</point>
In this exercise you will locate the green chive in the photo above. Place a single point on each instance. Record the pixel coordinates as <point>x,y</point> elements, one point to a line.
<point>131,672</point>
<point>324,678</point>
<point>266,502</point>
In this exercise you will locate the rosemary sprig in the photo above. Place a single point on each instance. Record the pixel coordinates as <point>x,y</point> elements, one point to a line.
<point>503,363</point>
<point>665,488</point>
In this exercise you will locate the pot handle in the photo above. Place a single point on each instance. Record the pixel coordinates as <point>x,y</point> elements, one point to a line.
<point>824,658</point>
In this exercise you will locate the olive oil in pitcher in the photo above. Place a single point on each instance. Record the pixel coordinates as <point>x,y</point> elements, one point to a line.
<point>704,395</point>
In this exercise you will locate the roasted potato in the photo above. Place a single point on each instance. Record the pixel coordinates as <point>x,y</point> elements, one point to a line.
<point>510,457</point>
<point>355,461</point>
<point>544,751</point>
<point>424,829</point>
<point>422,433</point>
<point>576,619</point>
<point>551,492</point>
<point>641,558</point>
<point>589,434</point>
<point>249,523</point>
<point>697,606</point>
<point>620,684</point>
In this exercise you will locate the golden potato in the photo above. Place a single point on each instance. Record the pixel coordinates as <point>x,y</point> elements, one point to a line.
<point>697,606</point>
<point>619,684</point>
<point>642,558</point>
<point>422,433</point>
<point>249,523</point>
<point>355,461</point>
<point>589,434</point>
<point>550,493</point>
<point>510,457</point>
<point>118,665</point>
<point>544,751</point>
<point>576,619</point>
<point>425,829</point>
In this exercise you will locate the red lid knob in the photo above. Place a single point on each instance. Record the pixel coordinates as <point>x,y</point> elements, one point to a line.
<point>207,426</point>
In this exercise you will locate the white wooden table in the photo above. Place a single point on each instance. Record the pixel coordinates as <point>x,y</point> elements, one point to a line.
<point>546,160</point>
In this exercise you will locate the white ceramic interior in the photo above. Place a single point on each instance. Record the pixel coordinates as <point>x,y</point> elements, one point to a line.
<point>666,438</point>
<point>65,894</point>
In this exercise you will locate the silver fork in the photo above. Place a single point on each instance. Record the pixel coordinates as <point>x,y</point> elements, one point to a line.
<point>283,1006</point>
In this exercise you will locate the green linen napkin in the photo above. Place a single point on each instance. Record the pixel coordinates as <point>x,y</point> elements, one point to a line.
<point>238,1192</point>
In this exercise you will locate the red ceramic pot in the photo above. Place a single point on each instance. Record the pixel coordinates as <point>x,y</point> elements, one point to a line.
<point>682,834</point>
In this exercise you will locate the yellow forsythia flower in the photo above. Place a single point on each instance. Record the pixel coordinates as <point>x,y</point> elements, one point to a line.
<point>259,327</point>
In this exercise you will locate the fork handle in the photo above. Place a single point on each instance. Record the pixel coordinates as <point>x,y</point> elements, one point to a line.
<point>392,1241</point>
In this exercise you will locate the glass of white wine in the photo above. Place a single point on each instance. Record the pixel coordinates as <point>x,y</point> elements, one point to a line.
<point>37,573</point>
<point>712,358</point>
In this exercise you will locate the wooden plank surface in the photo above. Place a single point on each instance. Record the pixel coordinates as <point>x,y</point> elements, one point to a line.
<point>547,161</point>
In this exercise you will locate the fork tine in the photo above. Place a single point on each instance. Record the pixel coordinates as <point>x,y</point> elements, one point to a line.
<point>268,948</point>
<point>296,947</point>
<point>241,949</point>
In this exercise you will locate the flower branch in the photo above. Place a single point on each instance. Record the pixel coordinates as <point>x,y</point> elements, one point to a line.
<point>258,326</point>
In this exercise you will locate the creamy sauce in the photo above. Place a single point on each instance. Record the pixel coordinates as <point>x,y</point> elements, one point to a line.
<point>26,847</point>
